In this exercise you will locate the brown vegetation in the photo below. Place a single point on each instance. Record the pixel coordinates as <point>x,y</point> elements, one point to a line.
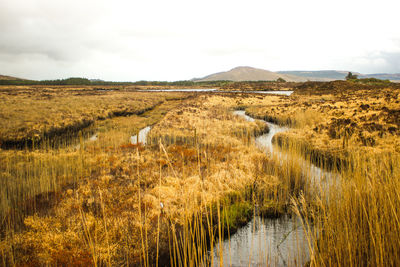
<point>258,86</point>
<point>111,202</point>
<point>33,114</point>
<point>112,213</point>
<point>336,121</point>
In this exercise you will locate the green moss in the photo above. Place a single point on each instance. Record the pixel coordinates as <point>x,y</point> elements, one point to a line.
<point>237,215</point>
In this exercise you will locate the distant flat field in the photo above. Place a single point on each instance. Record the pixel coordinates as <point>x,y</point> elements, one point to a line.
<point>32,112</point>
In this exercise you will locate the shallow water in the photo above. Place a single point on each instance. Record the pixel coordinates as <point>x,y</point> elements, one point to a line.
<point>264,142</point>
<point>183,90</point>
<point>274,242</point>
<point>288,93</point>
<point>142,136</point>
<point>216,90</point>
<point>92,138</point>
<point>265,242</point>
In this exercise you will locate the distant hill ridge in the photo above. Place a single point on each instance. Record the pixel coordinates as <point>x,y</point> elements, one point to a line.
<point>254,74</point>
<point>322,74</point>
<point>244,73</point>
<point>4,77</point>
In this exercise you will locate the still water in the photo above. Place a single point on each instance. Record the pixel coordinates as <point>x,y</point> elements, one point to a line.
<point>271,242</point>
<point>216,90</point>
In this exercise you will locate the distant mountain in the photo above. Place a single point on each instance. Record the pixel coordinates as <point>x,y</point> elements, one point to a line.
<point>249,74</point>
<point>4,77</point>
<point>319,74</point>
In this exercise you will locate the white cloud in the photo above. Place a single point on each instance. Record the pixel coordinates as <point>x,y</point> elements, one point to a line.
<point>171,40</point>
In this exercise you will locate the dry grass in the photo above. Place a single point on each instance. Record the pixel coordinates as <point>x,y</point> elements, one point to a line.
<point>113,215</point>
<point>353,222</point>
<point>356,221</point>
<point>32,114</point>
<point>336,124</point>
<point>31,180</point>
<point>169,202</point>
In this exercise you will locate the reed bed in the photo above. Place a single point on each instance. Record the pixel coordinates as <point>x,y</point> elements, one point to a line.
<point>33,179</point>
<point>165,203</point>
<point>352,216</point>
<point>198,179</point>
<point>356,220</point>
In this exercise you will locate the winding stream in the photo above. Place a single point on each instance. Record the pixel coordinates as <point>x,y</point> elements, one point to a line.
<point>274,242</point>
<point>265,242</point>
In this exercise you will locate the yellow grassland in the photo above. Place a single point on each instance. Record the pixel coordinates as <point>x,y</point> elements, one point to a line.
<point>32,113</point>
<point>336,124</point>
<point>113,203</point>
<point>112,214</point>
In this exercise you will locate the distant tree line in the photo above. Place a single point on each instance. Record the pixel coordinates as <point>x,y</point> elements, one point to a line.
<point>69,81</point>
<point>223,83</point>
<point>84,81</point>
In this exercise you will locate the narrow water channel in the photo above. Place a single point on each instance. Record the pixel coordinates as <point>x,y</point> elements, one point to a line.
<point>135,139</point>
<point>265,242</point>
<point>272,242</point>
<point>92,138</point>
<point>141,137</point>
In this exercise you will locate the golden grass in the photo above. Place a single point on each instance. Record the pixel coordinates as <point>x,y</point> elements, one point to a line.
<point>353,221</point>
<point>356,221</point>
<point>114,217</point>
<point>336,124</point>
<point>32,114</point>
<point>171,201</point>
<point>31,178</point>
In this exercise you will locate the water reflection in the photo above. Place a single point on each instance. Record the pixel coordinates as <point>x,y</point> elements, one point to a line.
<point>269,242</point>
<point>272,242</point>
<point>216,90</point>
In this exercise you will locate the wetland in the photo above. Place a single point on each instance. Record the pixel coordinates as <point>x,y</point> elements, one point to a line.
<point>308,175</point>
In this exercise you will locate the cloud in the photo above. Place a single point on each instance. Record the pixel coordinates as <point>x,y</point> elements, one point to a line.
<point>172,40</point>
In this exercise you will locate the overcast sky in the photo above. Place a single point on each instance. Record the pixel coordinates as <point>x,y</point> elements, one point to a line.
<point>177,40</point>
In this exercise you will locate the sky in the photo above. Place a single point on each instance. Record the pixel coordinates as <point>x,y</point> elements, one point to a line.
<point>180,40</point>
